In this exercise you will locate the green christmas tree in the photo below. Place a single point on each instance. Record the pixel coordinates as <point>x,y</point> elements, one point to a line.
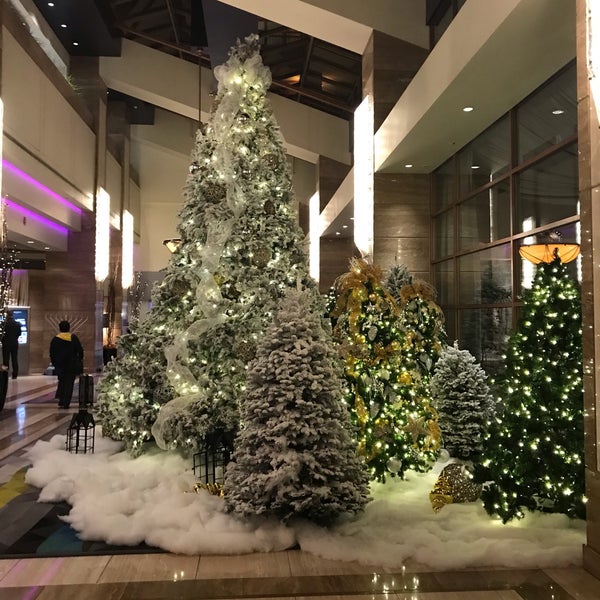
<point>534,451</point>
<point>390,408</point>
<point>296,456</point>
<point>422,322</point>
<point>241,247</point>
<point>465,405</point>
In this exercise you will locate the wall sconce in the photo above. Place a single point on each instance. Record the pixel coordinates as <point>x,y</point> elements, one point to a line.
<point>172,244</point>
<point>102,234</point>
<point>538,253</point>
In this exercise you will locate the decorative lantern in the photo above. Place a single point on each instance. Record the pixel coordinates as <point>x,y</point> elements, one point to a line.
<point>209,465</point>
<point>80,434</point>
<point>86,390</point>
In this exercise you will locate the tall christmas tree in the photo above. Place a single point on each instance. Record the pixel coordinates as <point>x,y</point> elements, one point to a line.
<point>296,456</point>
<point>240,248</point>
<point>534,452</point>
<point>396,424</point>
<point>462,397</point>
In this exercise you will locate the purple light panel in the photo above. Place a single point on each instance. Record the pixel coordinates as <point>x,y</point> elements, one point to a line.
<point>36,217</point>
<point>40,186</point>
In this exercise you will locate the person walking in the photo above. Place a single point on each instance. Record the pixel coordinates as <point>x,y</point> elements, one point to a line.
<point>10,344</point>
<point>66,355</point>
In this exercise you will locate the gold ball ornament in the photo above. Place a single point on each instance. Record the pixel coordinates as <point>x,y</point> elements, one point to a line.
<point>261,257</point>
<point>245,350</point>
<point>454,485</point>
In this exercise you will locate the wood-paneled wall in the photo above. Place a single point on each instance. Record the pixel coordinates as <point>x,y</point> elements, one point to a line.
<point>66,289</point>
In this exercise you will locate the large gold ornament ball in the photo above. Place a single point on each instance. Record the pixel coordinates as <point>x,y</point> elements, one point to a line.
<point>245,350</point>
<point>219,279</point>
<point>215,192</point>
<point>269,207</point>
<point>261,257</point>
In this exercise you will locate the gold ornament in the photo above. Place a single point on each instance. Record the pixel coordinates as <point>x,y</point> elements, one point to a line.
<point>261,257</point>
<point>454,485</point>
<point>219,279</point>
<point>269,207</point>
<point>404,378</point>
<point>215,192</point>
<point>415,428</point>
<point>245,350</point>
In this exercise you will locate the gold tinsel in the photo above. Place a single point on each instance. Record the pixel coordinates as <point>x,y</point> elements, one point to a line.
<point>454,485</point>
<point>417,288</point>
<point>215,489</point>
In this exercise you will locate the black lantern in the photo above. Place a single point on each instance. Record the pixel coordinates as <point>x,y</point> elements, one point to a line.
<point>209,463</point>
<point>80,434</point>
<point>86,390</point>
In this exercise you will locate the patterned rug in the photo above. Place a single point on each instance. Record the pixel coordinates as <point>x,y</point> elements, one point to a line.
<point>31,528</point>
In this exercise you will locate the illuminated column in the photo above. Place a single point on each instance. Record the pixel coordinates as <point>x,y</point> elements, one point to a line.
<point>127,264</point>
<point>363,178</point>
<point>102,235</point>
<point>127,250</point>
<point>314,237</point>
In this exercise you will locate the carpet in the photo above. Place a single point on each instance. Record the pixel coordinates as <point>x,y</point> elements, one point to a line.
<point>33,529</point>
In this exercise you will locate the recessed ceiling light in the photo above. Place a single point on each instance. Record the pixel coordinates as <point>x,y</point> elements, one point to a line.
<point>63,25</point>
<point>344,226</point>
<point>468,109</point>
<point>50,3</point>
<point>558,111</point>
<point>75,43</point>
<point>352,218</point>
<point>337,233</point>
<point>474,166</point>
<point>30,242</point>
<point>46,247</point>
<point>409,166</point>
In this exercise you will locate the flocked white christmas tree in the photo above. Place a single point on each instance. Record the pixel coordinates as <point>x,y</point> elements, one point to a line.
<point>464,402</point>
<point>295,456</point>
<point>184,368</point>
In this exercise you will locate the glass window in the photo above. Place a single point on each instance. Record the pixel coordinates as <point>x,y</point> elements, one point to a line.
<point>548,116</point>
<point>485,277</point>
<point>484,332</point>
<point>443,234</point>
<point>485,217</point>
<point>548,191</point>
<point>444,282</point>
<point>486,158</point>
<point>443,185</point>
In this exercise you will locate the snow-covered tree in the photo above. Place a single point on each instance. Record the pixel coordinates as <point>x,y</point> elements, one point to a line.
<point>389,405</point>
<point>465,405</point>
<point>534,451</point>
<point>397,277</point>
<point>295,455</point>
<point>241,246</point>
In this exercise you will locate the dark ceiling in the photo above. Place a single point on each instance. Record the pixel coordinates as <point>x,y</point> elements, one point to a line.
<point>305,69</point>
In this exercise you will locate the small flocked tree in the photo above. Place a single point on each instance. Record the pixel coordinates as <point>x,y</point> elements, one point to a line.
<point>295,455</point>
<point>534,452</point>
<point>397,277</point>
<point>395,422</point>
<point>465,405</point>
<point>184,369</point>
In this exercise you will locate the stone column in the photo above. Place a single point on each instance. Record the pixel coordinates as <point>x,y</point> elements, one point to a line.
<point>589,195</point>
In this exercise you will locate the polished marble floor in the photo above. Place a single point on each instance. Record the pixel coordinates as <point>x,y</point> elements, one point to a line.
<point>30,414</point>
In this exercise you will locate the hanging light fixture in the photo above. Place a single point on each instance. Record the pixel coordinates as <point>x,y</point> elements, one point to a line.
<point>546,253</point>
<point>172,244</point>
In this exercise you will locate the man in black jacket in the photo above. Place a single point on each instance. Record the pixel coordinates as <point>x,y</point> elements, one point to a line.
<point>10,344</point>
<point>66,355</point>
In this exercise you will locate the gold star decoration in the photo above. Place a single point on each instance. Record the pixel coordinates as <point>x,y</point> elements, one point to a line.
<point>415,428</point>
